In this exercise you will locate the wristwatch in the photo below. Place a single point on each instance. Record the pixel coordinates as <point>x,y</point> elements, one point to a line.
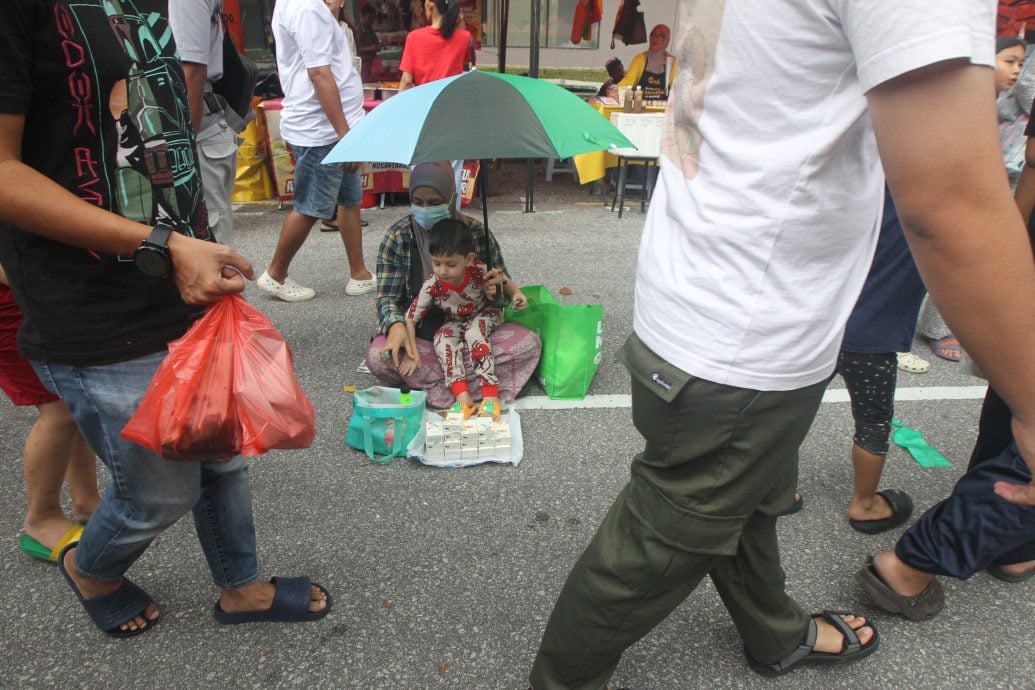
<point>152,256</point>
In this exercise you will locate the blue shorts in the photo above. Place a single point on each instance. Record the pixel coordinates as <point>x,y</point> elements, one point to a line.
<point>320,189</point>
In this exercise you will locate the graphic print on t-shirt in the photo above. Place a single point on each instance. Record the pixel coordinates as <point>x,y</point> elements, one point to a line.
<point>699,24</point>
<point>157,179</point>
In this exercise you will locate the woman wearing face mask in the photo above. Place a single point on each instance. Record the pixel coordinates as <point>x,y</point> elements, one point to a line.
<point>403,262</point>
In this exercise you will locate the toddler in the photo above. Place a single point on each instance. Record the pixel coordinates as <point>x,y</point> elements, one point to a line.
<point>457,287</point>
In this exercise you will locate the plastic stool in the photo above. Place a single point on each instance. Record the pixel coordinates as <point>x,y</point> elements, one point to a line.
<point>554,165</point>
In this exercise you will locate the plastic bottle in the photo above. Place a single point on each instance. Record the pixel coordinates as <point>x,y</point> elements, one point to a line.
<point>627,102</point>
<point>638,100</point>
<point>405,396</point>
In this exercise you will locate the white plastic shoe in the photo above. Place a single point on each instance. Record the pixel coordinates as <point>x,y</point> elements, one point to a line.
<point>289,290</point>
<point>359,287</point>
<point>907,361</point>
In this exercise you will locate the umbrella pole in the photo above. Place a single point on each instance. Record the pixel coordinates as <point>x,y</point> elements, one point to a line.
<point>533,71</point>
<point>530,187</point>
<point>483,185</point>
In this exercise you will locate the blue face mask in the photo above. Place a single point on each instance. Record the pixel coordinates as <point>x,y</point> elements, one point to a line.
<point>427,216</point>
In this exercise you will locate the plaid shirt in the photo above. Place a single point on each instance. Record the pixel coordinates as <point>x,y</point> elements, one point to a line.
<point>394,259</point>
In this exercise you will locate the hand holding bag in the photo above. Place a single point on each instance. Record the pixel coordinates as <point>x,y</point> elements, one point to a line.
<point>226,388</point>
<point>383,423</point>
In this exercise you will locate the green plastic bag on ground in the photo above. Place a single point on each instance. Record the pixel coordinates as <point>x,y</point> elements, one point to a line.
<point>572,337</point>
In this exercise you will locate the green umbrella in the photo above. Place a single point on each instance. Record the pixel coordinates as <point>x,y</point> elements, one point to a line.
<point>478,115</point>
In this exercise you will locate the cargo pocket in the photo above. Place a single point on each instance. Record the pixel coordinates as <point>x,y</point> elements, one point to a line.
<point>680,528</point>
<point>656,385</point>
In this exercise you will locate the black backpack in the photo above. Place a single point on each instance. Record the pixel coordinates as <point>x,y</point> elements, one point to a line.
<point>629,24</point>
<point>237,85</point>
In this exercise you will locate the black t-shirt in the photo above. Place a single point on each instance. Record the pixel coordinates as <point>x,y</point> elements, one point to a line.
<point>65,63</point>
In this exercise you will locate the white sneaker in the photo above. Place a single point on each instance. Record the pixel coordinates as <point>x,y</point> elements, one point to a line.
<point>359,287</point>
<point>289,290</point>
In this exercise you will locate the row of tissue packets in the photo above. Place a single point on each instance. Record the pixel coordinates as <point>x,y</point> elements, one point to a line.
<point>455,439</point>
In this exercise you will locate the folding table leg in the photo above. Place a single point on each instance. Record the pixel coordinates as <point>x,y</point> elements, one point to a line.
<point>623,170</point>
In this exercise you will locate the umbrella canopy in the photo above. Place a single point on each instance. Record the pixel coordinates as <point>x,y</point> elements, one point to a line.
<point>478,115</point>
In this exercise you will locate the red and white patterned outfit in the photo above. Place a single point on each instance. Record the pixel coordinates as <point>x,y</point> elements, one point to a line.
<point>470,318</point>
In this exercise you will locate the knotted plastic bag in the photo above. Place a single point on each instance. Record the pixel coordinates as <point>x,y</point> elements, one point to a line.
<point>226,388</point>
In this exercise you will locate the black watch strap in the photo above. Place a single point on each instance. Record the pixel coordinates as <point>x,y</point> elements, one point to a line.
<point>159,237</point>
<point>152,256</point>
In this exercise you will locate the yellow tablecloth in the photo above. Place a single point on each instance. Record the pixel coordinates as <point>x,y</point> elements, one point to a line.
<point>593,166</point>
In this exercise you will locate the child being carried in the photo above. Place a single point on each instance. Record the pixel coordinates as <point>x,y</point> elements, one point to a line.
<point>457,287</point>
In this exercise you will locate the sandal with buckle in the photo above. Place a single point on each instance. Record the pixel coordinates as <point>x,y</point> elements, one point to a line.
<point>851,649</point>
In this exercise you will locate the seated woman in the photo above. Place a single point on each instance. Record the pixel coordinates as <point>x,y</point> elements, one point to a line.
<point>403,262</point>
<point>654,69</point>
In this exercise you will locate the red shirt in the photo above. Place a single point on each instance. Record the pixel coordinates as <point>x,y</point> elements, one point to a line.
<point>10,320</point>
<point>428,56</point>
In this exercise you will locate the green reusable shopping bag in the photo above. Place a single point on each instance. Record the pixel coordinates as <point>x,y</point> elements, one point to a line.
<point>572,337</point>
<point>382,425</point>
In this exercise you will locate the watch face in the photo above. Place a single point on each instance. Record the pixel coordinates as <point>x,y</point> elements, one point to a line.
<point>151,261</point>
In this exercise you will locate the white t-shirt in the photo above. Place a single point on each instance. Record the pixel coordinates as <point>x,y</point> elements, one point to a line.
<point>765,216</point>
<point>308,36</point>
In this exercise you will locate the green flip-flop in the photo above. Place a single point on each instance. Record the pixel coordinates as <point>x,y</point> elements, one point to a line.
<point>35,549</point>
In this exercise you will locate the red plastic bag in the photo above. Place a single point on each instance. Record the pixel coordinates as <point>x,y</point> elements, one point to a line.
<point>226,388</point>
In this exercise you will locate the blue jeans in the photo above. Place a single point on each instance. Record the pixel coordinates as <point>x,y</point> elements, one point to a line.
<point>148,494</point>
<point>320,189</point>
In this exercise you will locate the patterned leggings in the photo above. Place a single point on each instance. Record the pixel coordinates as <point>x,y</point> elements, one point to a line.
<point>449,345</point>
<point>870,380</point>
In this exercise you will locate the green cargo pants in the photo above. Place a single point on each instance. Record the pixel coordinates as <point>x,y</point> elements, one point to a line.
<point>720,464</point>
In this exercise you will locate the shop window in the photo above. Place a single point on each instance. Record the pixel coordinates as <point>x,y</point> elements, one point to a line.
<point>555,25</point>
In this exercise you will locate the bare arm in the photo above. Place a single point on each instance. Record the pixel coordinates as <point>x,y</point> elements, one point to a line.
<point>329,96</point>
<point>196,75</point>
<point>406,81</point>
<point>511,290</point>
<point>1025,192</point>
<point>39,205</point>
<point>962,225</point>
<point>411,361</point>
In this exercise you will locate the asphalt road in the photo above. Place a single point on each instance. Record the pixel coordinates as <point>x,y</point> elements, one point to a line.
<point>445,578</point>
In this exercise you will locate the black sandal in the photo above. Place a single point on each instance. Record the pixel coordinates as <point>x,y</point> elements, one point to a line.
<point>113,610</point>
<point>851,649</point>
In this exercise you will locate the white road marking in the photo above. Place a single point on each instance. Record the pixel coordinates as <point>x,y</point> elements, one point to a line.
<point>834,395</point>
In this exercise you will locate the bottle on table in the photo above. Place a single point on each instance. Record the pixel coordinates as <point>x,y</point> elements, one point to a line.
<point>638,100</point>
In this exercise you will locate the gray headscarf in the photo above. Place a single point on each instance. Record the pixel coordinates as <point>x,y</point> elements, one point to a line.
<point>437,176</point>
